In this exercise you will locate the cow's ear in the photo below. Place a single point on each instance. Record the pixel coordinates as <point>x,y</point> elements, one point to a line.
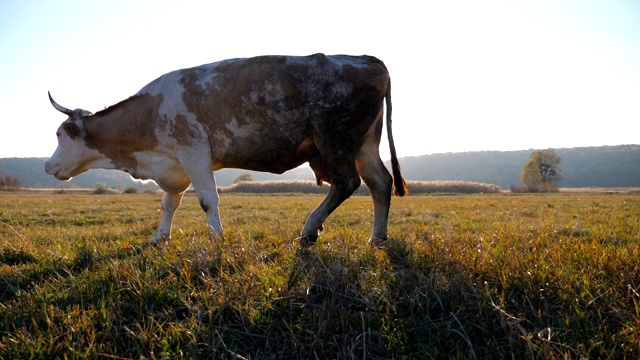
<point>74,129</point>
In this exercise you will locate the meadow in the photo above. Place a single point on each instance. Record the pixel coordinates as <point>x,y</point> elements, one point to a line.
<point>489,276</point>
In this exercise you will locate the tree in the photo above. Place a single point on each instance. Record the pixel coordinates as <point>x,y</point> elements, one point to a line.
<point>541,173</point>
<point>243,177</point>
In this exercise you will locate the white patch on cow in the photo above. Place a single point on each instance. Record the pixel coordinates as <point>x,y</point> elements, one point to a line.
<point>73,157</point>
<point>270,93</point>
<point>239,130</point>
<point>337,60</point>
<point>345,60</point>
<point>175,106</point>
<point>273,91</point>
<point>165,170</point>
<point>155,87</point>
<point>205,81</point>
<point>172,103</point>
<point>222,143</point>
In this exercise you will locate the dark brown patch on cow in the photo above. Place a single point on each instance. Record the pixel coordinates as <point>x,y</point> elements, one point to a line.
<point>242,90</point>
<point>123,129</point>
<point>350,117</point>
<point>259,112</point>
<point>183,131</point>
<point>374,75</point>
<point>72,129</point>
<point>254,108</point>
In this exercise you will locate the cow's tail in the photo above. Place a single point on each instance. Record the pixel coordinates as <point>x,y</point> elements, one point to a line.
<point>399,185</point>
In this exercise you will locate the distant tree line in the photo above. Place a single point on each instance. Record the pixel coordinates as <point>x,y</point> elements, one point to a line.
<point>605,166</point>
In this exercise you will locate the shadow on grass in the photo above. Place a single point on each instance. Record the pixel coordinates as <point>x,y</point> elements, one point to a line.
<point>398,301</point>
<point>380,303</point>
<point>21,270</point>
<point>439,310</point>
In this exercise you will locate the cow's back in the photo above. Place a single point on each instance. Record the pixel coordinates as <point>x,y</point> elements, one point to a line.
<point>259,113</point>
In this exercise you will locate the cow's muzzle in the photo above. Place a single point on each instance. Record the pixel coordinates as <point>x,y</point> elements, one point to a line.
<point>51,169</point>
<point>48,167</point>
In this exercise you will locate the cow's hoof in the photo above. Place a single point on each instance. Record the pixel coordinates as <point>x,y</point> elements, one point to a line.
<point>377,241</point>
<point>308,240</point>
<point>156,241</point>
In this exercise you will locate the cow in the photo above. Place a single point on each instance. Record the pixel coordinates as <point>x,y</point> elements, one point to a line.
<point>266,113</point>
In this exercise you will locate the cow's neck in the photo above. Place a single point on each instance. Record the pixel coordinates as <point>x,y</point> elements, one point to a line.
<point>122,130</point>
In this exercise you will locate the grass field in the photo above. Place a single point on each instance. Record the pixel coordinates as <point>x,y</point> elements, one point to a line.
<point>462,276</point>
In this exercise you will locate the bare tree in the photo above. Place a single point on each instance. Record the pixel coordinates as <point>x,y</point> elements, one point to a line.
<point>7,182</point>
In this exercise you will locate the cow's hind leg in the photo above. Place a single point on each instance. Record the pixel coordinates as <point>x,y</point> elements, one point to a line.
<point>379,181</point>
<point>344,181</point>
<point>170,202</point>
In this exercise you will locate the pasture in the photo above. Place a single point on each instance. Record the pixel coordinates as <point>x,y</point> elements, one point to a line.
<point>462,276</point>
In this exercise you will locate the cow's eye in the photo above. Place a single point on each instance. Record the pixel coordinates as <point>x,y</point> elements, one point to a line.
<point>58,134</point>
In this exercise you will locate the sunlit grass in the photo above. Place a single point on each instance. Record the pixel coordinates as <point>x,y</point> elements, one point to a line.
<point>475,276</point>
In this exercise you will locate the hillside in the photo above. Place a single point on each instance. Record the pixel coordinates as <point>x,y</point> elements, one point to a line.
<point>605,166</point>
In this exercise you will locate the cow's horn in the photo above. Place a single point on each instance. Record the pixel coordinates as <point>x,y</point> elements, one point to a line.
<point>58,107</point>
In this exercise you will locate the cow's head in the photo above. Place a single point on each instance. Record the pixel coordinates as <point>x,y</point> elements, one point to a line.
<point>72,156</point>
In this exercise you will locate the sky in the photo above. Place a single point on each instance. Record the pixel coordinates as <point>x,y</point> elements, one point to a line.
<point>467,75</point>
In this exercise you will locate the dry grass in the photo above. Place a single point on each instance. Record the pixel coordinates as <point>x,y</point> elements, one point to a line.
<point>596,190</point>
<point>475,276</point>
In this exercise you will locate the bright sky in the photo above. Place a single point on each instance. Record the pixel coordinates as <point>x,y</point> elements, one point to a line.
<point>467,75</point>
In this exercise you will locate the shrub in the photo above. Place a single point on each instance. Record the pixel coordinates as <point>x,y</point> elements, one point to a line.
<point>130,190</point>
<point>533,189</point>
<point>9,183</point>
<point>100,185</point>
<point>103,191</point>
<point>310,187</point>
<point>457,187</point>
<point>276,186</point>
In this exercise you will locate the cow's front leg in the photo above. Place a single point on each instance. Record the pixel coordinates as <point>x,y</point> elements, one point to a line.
<point>170,203</point>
